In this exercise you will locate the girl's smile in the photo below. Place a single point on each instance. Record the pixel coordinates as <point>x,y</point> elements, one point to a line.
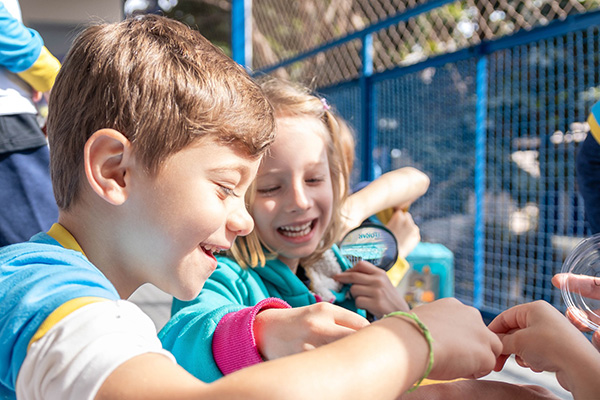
<point>298,233</point>
<point>294,193</point>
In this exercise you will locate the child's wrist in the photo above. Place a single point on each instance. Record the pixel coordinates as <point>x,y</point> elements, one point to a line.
<point>414,319</point>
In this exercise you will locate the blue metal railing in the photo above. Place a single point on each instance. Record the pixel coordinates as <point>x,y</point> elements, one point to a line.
<point>496,126</point>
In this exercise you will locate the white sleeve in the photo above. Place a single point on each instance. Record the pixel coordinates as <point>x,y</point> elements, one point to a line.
<point>72,360</point>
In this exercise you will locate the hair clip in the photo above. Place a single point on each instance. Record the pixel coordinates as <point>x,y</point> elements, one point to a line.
<point>325,105</point>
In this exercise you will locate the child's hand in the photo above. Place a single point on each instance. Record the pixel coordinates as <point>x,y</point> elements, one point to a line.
<point>372,290</point>
<point>543,340</point>
<point>588,286</point>
<point>463,346</point>
<point>282,332</point>
<point>405,230</point>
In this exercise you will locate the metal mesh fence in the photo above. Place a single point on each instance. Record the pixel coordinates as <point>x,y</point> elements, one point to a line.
<point>425,120</point>
<point>538,97</point>
<point>283,29</point>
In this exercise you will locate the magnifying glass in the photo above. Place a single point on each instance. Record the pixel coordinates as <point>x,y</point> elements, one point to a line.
<point>370,242</point>
<point>584,263</point>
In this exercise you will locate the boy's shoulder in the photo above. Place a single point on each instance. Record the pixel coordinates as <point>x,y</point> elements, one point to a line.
<point>36,278</point>
<point>43,261</point>
<point>40,247</point>
<point>42,254</point>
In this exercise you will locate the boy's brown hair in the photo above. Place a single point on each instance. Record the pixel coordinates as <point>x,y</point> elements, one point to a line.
<point>292,100</point>
<point>159,83</point>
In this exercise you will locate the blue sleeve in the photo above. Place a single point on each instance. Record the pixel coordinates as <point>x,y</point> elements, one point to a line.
<point>189,333</point>
<point>20,46</point>
<point>36,279</point>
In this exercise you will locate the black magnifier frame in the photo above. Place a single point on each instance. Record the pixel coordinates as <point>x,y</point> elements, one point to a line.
<point>370,242</point>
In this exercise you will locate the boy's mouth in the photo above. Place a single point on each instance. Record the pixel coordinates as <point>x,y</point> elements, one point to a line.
<point>297,230</point>
<point>210,250</point>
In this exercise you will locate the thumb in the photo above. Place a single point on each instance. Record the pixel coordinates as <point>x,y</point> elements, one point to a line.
<point>596,340</point>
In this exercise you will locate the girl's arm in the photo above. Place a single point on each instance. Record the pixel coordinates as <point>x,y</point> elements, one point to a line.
<point>232,324</point>
<point>190,333</point>
<point>395,189</point>
<point>380,361</point>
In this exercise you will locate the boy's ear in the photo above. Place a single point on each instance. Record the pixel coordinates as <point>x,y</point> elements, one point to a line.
<point>107,160</point>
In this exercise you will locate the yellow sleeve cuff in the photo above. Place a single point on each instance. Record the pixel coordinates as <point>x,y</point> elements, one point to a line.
<point>40,76</point>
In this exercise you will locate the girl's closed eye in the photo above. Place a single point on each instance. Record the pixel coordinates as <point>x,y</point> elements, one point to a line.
<point>315,180</point>
<point>268,190</point>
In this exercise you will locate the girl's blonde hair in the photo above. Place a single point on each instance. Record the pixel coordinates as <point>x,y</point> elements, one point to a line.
<point>291,100</point>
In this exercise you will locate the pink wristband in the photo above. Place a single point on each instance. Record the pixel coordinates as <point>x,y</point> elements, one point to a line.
<point>234,344</point>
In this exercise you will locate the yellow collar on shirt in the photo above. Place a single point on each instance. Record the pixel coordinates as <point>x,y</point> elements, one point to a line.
<point>64,237</point>
<point>66,240</point>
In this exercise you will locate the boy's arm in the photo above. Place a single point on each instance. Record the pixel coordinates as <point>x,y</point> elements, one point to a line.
<point>395,189</point>
<point>380,361</point>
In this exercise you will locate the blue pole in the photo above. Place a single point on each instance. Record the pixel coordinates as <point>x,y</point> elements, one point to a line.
<point>480,165</point>
<point>368,109</point>
<point>241,32</point>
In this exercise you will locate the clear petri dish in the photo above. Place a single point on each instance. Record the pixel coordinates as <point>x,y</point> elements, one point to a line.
<point>581,292</point>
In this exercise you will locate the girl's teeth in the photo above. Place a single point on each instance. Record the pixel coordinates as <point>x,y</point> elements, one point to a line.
<point>296,230</point>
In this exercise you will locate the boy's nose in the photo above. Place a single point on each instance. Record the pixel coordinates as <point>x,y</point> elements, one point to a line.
<point>240,222</point>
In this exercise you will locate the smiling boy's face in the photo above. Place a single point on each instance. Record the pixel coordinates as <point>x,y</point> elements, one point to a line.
<point>192,208</point>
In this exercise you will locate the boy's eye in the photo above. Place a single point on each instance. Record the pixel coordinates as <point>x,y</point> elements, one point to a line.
<point>228,191</point>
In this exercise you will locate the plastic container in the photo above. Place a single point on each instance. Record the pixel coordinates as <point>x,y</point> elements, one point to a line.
<point>583,261</point>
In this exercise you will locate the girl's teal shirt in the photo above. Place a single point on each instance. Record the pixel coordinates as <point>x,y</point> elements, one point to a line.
<point>230,289</point>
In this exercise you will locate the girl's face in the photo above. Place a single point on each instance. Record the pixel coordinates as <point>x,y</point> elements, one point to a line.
<point>294,194</point>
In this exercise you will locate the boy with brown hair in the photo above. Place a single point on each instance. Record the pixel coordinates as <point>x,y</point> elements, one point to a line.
<point>155,136</point>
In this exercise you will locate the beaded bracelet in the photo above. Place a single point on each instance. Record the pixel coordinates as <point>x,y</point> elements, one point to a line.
<point>428,337</point>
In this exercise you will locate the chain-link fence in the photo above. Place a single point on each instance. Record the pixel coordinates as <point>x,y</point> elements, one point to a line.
<point>488,98</point>
<point>283,29</point>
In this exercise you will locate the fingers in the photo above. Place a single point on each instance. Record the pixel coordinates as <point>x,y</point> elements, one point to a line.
<point>508,321</point>
<point>349,319</point>
<point>500,361</point>
<point>587,286</point>
<point>333,316</point>
<point>363,273</point>
<point>331,323</point>
<point>335,332</point>
<point>36,96</point>
<point>576,316</point>
<point>596,340</point>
